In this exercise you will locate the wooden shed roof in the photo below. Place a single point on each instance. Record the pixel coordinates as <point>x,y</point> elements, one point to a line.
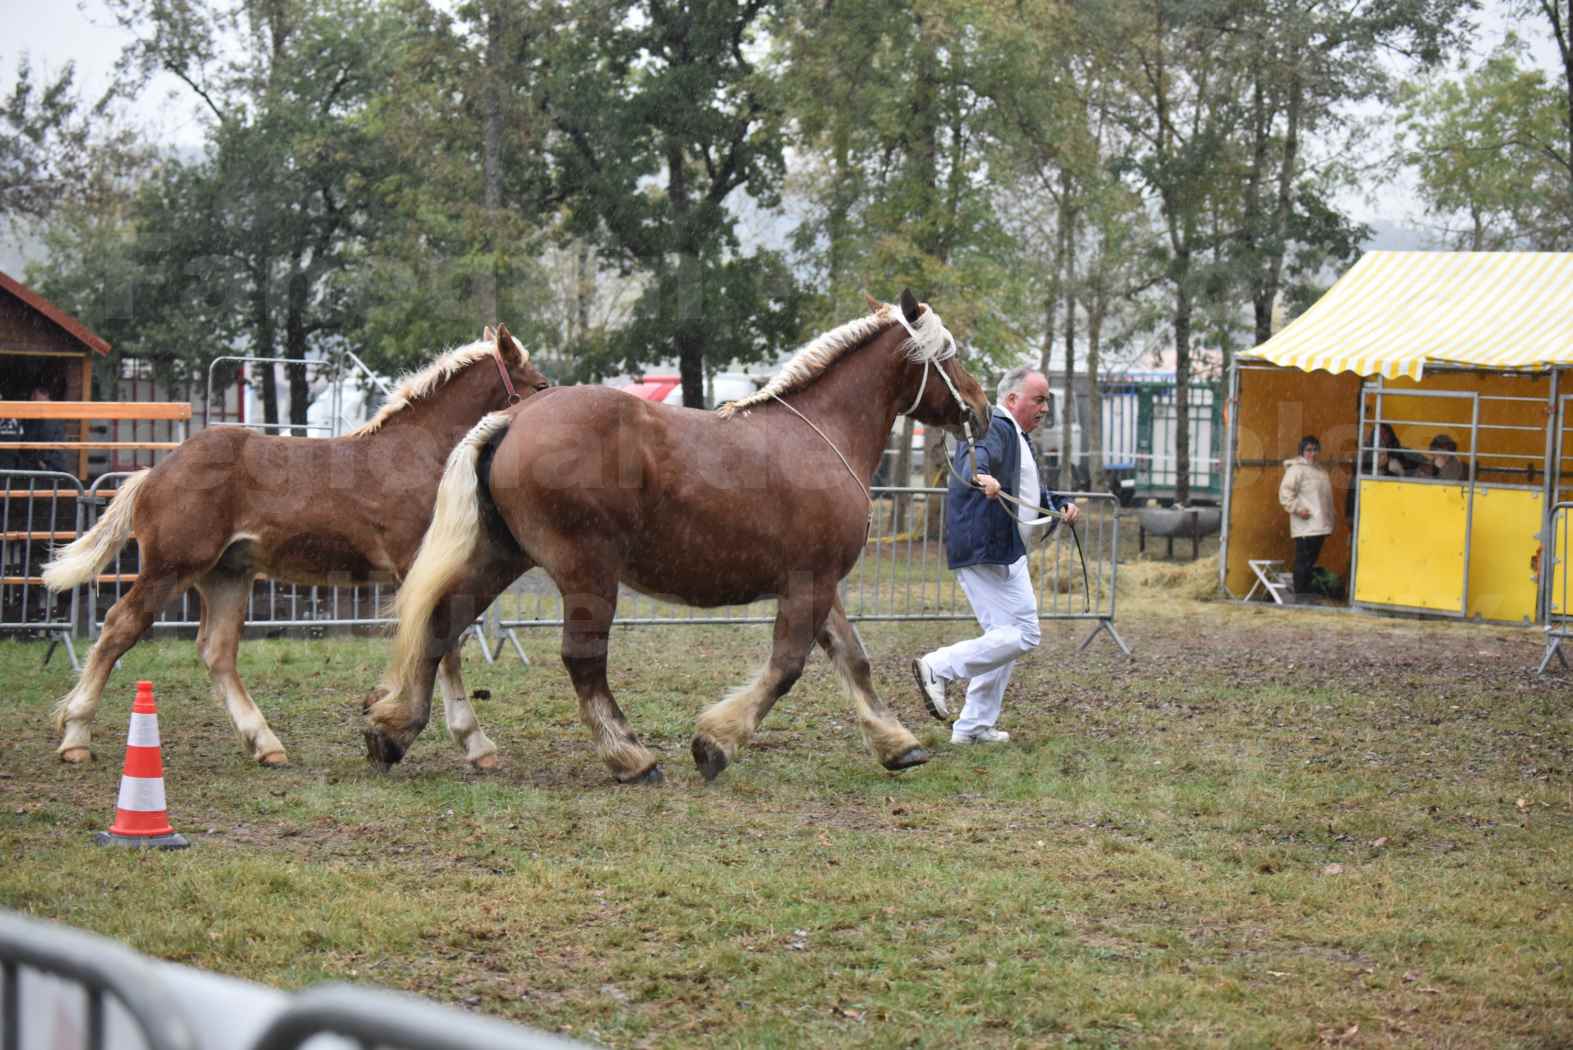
<point>68,324</point>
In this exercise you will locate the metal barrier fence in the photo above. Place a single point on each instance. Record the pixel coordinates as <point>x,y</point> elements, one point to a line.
<point>1556,611</point>
<point>61,986</point>
<point>38,510</point>
<point>901,576</point>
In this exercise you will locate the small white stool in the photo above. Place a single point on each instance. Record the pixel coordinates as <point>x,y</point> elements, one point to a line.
<point>1271,578</point>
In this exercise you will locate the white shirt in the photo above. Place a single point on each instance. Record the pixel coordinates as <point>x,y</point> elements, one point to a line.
<point>1027,490</point>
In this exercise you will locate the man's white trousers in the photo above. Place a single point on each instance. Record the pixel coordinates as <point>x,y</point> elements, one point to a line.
<point>1007,610</point>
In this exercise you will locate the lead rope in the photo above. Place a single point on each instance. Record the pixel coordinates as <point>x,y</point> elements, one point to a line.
<point>868,497</point>
<point>1048,516</point>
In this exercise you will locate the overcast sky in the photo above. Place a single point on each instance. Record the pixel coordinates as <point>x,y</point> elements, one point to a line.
<point>54,32</point>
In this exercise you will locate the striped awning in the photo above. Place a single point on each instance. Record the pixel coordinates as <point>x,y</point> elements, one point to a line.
<point>1394,312</point>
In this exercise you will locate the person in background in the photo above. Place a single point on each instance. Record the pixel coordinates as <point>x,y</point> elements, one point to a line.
<point>1443,463</point>
<point>1307,494</point>
<point>986,546</point>
<point>11,431</point>
<point>42,430</point>
<point>1391,458</point>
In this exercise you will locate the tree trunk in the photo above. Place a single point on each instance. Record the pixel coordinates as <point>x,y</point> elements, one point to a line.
<point>491,163</point>
<point>687,289</point>
<point>841,193</point>
<point>295,350</point>
<point>1182,384</point>
<point>1067,480</point>
<point>1097,306</point>
<point>584,289</point>
<point>262,320</point>
<point>1272,275</point>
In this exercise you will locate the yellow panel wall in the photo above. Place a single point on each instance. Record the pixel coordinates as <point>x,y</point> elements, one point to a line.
<point>1411,545</point>
<point>1502,544</point>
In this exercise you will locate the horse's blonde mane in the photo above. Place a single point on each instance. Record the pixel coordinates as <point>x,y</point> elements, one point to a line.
<point>413,386</point>
<point>929,341</point>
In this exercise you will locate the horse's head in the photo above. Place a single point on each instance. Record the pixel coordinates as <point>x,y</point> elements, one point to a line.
<point>513,362</point>
<point>937,390</point>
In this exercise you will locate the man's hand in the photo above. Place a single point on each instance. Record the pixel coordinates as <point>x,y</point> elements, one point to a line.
<point>990,486</point>
<point>1071,512</point>
<point>1302,513</point>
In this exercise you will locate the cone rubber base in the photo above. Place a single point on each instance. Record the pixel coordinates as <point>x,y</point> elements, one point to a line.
<point>171,841</point>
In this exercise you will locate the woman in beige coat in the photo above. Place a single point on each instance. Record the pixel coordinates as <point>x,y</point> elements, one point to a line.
<point>1307,494</point>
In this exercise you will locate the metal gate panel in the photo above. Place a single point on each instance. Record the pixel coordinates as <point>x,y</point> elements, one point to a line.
<point>1411,545</point>
<point>1506,533</point>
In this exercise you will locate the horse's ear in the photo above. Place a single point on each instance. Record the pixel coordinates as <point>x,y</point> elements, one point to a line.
<point>874,305</point>
<point>909,306</point>
<point>502,338</point>
<point>487,335</point>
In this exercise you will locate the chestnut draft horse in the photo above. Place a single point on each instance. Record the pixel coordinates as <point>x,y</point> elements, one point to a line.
<point>767,498</point>
<point>231,504</point>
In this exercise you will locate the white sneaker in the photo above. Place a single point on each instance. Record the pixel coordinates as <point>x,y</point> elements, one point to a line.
<point>986,735</point>
<point>932,687</point>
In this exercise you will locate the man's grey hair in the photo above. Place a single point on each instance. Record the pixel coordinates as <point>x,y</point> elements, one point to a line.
<point>1011,382</point>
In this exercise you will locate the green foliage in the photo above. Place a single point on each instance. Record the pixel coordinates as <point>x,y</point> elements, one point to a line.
<point>892,123</point>
<point>661,114</point>
<point>1491,152</point>
<point>48,140</point>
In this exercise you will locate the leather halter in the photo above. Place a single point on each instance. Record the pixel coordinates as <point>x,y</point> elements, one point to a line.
<point>502,370</point>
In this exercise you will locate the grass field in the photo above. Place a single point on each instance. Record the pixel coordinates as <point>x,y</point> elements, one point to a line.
<point>1271,828</point>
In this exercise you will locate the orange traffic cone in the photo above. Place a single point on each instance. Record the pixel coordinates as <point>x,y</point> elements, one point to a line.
<point>140,819</point>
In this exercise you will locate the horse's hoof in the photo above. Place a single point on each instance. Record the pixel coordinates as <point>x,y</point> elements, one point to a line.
<point>709,757</point>
<point>76,755</point>
<point>273,759</point>
<point>913,756</point>
<point>380,751</point>
<point>650,777</point>
<point>486,763</point>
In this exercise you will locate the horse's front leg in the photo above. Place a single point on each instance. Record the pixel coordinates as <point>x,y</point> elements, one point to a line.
<point>463,726</point>
<point>892,743</point>
<point>727,726</point>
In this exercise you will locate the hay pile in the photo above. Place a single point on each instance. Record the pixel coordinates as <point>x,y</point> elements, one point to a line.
<point>1188,580</point>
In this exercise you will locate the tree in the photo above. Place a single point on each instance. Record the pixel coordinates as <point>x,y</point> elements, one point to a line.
<point>1305,65</point>
<point>890,111</point>
<point>1489,156</point>
<point>467,199</point>
<point>46,148</point>
<point>661,114</point>
<point>290,164</point>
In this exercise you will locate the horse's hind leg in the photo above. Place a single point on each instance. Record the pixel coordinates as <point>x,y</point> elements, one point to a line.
<point>396,717</point>
<point>892,743</point>
<point>224,597</point>
<point>589,603</point>
<point>126,622</point>
<point>465,729</point>
<point>726,726</point>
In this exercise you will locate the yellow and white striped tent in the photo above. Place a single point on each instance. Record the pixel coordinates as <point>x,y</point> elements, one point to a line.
<point>1395,311</point>
<point>1474,345</point>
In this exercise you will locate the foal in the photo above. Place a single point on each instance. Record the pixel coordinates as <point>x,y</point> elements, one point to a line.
<point>231,504</point>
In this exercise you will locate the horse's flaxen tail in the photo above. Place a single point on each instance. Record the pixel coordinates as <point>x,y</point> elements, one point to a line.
<point>82,559</point>
<point>445,552</point>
